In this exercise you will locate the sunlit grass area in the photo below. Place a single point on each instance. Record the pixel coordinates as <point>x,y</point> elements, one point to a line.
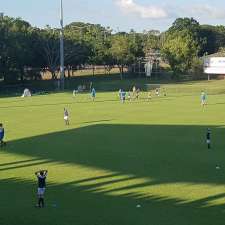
<point>142,162</point>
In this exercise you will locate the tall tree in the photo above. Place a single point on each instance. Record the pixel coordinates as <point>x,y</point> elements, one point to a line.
<point>49,49</point>
<point>123,51</point>
<point>182,44</point>
<point>214,38</point>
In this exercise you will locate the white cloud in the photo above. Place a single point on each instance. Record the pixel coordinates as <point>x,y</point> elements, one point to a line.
<point>172,11</point>
<point>207,11</point>
<point>151,12</point>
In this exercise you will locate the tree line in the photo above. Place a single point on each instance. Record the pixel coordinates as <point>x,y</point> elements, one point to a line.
<point>27,51</point>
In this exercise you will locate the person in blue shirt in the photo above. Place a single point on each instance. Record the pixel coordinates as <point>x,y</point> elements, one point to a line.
<point>123,96</point>
<point>41,176</point>
<point>93,94</point>
<point>203,98</point>
<point>2,134</point>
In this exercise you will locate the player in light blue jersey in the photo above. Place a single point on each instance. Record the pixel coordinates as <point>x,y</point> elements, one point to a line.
<point>93,94</point>
<point>203,98</point>
<point>123,96</point>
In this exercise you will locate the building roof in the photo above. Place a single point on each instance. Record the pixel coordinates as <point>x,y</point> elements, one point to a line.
<point>217,54</point>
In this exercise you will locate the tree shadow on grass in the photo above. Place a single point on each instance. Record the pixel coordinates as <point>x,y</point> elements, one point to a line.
<point>74,204</point>
<point>162,154</point>
<point>167,153</point>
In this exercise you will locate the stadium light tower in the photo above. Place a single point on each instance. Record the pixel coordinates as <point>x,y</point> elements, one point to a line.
<point>62,72</point>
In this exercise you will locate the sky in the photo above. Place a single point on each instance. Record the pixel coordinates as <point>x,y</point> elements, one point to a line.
<point>120,15</point>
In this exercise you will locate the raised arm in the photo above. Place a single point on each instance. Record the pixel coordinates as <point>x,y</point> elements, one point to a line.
<point>37,173</point>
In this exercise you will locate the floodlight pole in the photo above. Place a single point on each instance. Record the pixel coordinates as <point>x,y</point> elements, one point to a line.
<point>62,72</point>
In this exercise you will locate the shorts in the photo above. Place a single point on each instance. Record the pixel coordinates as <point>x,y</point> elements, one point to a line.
<point>66,117</point>
<point>41,191</point>
<point>208,141</point>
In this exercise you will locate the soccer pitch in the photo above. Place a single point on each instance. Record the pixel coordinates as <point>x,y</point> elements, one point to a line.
<point>138,163</point>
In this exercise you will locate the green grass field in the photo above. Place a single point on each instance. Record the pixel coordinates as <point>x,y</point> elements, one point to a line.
<point>114,157</point>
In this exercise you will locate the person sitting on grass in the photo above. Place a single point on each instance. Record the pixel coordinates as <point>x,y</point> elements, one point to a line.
<point>41,176</point>
<point>66,116</point>
<point>2,134</point>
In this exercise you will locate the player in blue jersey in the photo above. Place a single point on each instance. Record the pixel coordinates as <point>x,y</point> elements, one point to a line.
<point>41,176</point>
<point>2,134</point>
<point>123,96</point>
<point>203,98</point>
<point>93,94</point>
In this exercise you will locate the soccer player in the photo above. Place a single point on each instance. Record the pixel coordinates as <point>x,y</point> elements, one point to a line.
<point>41,176</point>
<point>137,93</point>
<point>2,134</point>
<point>123,96</point>
<point>134,92</point>
<point>129,96</point>
<point>66,117</point>
<point>208,138</point>
<point>74,93</point>
<point>203,98</point>
<point>149,95</point>
<point>93,94</point>
<point>119,94</point>
<point>157,92</point>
